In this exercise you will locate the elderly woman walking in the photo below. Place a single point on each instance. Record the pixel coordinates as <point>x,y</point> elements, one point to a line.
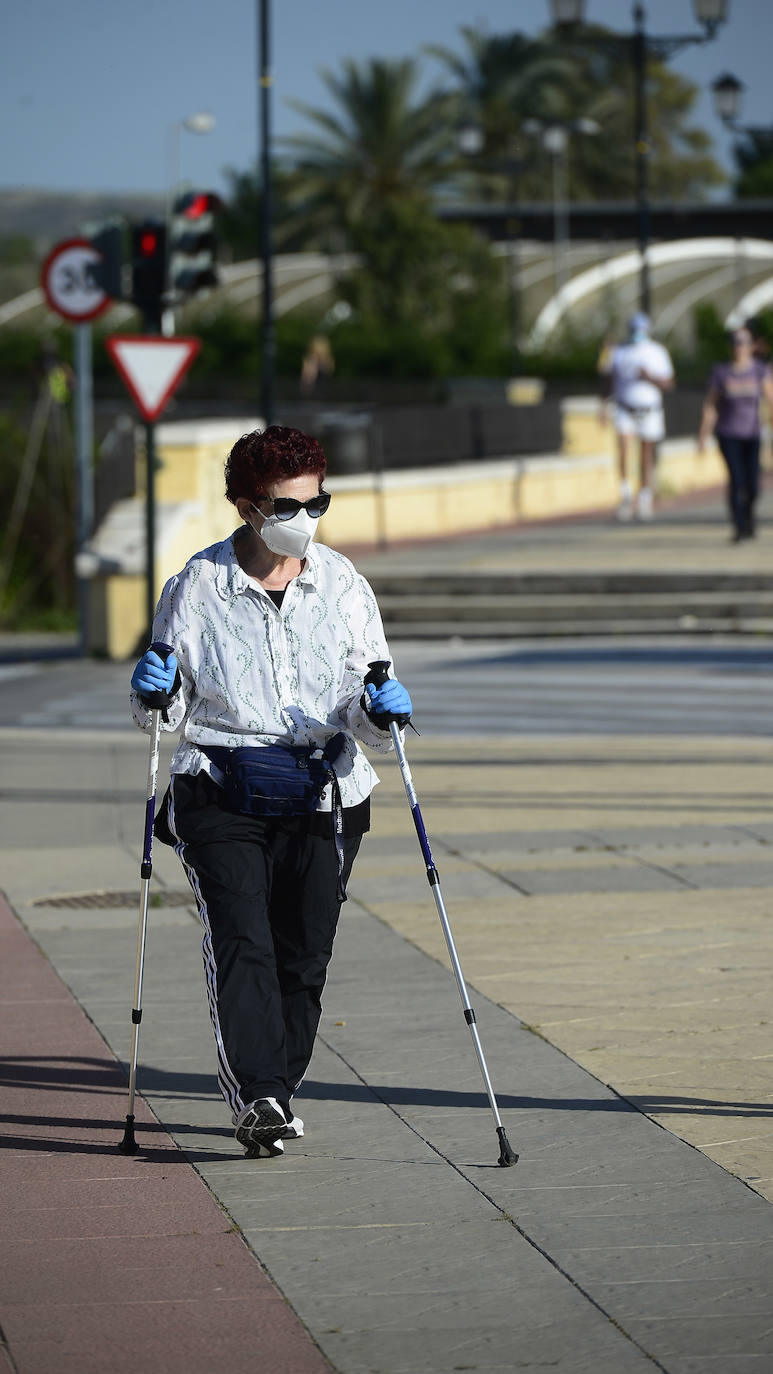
<point>262,646</point>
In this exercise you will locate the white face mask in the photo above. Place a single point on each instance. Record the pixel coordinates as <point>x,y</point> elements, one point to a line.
<point>288,538</point>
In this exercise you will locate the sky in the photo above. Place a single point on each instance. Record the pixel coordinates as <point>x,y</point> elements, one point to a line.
<point>93,92</point>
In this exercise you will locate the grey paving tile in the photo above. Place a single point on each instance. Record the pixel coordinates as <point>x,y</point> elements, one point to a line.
<point>719,1336</point>
<point>470,884</point>
<point>750,873</point>
<point>670,836</point>
<point>365,1221</point>
<point>609,878</point>
<point>761,830</point>
<point>518,841</point>
<point>669,1299</point>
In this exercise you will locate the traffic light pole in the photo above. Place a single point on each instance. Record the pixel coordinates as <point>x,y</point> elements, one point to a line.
<point>84,458</point>
<point>269,339</point>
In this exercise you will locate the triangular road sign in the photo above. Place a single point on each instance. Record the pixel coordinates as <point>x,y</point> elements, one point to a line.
<point>151,367</point>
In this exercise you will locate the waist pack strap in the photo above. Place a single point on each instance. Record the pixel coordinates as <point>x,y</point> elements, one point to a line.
<point>330,753</point>
<point>338,834</point>
<point>638,410</point>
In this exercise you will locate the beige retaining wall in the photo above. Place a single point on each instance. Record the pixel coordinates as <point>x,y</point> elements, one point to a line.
<point>458,499</point>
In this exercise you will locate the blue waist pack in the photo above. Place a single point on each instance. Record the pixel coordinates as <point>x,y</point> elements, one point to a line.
<point>275,779</point>
<point>283,780</point>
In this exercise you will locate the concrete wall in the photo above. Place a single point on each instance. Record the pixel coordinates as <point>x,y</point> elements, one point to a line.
<point>418,503</point>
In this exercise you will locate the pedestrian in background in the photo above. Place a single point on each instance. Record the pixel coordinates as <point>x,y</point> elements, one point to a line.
<point>731,411</point>
<point>636,374</point>
<point>270,790</point>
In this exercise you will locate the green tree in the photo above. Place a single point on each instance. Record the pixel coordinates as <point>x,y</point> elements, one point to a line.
<point>380,142</point>
<point>240,223</point>
<point>499,83</point>
<point>507,83</point>
<point>754,159</point>
<point>429,285</point>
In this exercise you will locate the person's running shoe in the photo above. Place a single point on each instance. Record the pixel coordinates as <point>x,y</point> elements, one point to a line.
<point>268,1150</point>
<point>625,509</point>
<point>261,1127</point>
<point>645,508</point>
<point>294,1124</point>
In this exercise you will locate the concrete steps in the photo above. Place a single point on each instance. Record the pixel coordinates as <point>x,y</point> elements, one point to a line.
<point>534,605</point>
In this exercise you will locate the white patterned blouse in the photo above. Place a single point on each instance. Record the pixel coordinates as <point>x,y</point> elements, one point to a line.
<point>253,673</point>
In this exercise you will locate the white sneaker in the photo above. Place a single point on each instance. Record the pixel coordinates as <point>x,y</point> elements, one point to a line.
<point>644,504</point>
<point>625,509</point>
<point>260,1128</point>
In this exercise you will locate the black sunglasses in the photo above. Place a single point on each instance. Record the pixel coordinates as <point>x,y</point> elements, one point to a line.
<point>285,507</point>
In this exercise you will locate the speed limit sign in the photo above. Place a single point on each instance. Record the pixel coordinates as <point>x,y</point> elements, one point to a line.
<point>67,278</point>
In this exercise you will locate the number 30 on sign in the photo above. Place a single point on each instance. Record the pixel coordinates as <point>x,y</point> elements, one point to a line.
<point>67,279</point>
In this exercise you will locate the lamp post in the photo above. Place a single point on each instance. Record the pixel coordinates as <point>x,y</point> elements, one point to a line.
<point>728,91</point>
<point>568,14</point>
<point>470,141</point>
<point>202,122</point>
<point>266,82</point>
<point>555,140</point>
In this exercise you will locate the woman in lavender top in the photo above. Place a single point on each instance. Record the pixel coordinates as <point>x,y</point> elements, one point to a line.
<point>731,410</point>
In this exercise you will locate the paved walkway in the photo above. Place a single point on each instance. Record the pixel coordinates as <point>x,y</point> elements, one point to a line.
<point>610,899</point>
<point>690,534</point>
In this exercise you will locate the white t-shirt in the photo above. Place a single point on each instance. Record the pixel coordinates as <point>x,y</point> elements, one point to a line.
<point>628,360</point>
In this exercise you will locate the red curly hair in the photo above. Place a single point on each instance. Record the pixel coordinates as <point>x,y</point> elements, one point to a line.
<point>266,456</point>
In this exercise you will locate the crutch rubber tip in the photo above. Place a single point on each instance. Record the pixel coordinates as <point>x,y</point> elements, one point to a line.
<point>507,1155</point>
<point>128,1146</point>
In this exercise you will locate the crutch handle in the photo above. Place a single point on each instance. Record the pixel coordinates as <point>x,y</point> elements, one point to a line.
<point>378,672</point>
<point>158,701</point>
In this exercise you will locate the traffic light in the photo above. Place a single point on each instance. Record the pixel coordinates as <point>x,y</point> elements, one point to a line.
<point>108,240</point>
<point>193,246</point>
<point>149,271</point>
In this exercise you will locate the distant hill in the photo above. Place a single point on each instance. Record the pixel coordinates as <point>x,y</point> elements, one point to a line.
<point>47,216</point>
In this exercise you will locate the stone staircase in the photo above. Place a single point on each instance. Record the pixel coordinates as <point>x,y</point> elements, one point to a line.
<point>535,605</point>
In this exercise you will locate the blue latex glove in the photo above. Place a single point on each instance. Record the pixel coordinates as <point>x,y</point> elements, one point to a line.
<point>156,680</point>
<point>389,702</point>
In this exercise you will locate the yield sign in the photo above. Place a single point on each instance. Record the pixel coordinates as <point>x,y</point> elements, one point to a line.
<point>151,367</point>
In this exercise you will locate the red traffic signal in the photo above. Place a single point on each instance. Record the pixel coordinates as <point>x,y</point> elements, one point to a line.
<point>193,243</point>
<point>149,271</point>
<point>148,242</point>
<point>196,204</point>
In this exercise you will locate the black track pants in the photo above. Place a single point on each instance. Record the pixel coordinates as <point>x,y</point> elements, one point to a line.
<point>266,893</point>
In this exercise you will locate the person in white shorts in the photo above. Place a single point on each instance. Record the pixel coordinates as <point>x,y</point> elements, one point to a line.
<point>636,375</point>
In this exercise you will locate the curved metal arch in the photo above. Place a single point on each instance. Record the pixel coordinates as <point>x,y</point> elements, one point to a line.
<point>628,263</point>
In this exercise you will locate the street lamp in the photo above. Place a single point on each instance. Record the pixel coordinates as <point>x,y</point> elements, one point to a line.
<point>470,142</point>
<point>710,14</point>
<point>202,122</point>
<point>555,140</point>
<point>727,91</point>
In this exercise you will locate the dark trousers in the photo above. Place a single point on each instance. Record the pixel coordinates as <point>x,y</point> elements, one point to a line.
<point>742,457</point>
<point>267,897</point>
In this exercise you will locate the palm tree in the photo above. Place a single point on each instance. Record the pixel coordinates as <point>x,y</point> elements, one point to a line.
<point>500,83</point>
<point>506,83</point>
<point>380,142</point>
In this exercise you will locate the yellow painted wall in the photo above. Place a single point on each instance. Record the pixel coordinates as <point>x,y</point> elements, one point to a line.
<point>407,505</point>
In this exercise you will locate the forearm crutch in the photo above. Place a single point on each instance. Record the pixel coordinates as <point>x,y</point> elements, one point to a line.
<point>507,1156</point>
<point>128,1145</point>
<point>158,703</point>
